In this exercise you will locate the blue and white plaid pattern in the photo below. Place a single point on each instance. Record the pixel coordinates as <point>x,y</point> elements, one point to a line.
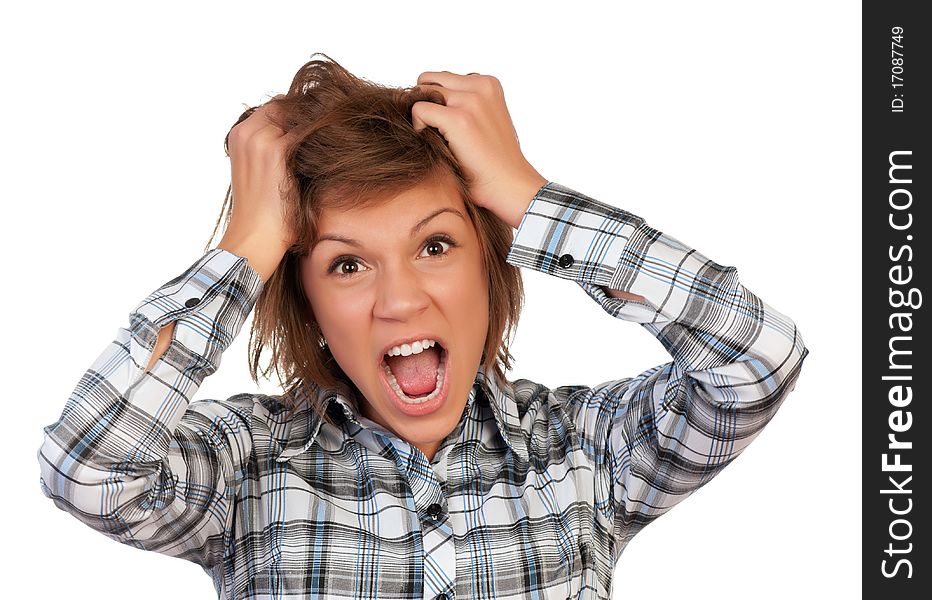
<point>535,494</point>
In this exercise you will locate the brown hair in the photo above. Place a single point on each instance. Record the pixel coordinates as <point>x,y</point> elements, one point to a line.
<point>358,147</point>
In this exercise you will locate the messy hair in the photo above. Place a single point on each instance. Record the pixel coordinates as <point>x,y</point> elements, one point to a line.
<point>357,147</point>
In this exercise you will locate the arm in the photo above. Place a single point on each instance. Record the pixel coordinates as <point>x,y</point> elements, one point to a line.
<point>132,455</point>
<point>661,435</point>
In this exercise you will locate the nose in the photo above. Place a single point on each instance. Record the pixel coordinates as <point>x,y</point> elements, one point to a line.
<point>401,293</point>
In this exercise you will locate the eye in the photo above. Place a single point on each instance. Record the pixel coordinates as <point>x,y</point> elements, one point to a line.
<point>435,245</point>
<point>344,266</point>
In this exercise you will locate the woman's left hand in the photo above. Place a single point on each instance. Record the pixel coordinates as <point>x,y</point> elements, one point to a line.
<point>476,124</point>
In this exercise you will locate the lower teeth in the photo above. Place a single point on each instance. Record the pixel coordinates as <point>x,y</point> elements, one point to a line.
<point>420,399</point>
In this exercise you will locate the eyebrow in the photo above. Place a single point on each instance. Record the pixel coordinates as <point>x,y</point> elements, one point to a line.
<point>417,227</point>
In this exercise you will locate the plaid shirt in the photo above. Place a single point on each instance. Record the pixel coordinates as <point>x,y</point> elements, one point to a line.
<point>536,492</point>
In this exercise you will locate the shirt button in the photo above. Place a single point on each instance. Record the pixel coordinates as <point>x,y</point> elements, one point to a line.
<point>190,302</point>
<point>434,511</point>
<point>566,260</point>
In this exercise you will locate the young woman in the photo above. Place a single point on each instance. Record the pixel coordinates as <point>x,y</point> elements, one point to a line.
<point>372,233</point>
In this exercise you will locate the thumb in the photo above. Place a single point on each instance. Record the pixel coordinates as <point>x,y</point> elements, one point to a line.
<point>424,114</point>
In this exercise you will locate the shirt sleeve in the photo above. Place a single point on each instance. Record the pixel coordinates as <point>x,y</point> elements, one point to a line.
<point>131,455</point>
<point>658,437</point>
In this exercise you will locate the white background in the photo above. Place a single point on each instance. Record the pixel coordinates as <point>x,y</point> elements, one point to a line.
<point>732,126</point>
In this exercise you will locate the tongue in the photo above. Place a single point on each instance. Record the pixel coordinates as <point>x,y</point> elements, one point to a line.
<point>416,374</point>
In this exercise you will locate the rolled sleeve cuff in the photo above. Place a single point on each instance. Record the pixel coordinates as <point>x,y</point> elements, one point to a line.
<point>572,236</point>
<point>211,300</point>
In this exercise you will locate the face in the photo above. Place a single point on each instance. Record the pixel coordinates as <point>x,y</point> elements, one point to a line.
<point>405,270</point>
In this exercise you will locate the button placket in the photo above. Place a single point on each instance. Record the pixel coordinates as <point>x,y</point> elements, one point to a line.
<point>440,552</point>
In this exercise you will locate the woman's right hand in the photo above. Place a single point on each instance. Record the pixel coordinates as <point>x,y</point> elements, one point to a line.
<point>258,230</point>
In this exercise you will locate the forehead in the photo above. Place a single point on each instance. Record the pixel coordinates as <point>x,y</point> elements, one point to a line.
<point>395,210</point>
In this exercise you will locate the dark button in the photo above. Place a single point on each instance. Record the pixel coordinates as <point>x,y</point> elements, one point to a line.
<point>191,302</point>
<point>434,511</point>
<point>566,260</point>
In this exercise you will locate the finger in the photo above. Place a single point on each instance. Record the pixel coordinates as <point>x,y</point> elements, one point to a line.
<point>265,130</point>
<point>257,120</point>
<point>265,143</point>
<point>273,124</point>
<point>448,80</point>
<point>431,114</point>
<point>435,87</point>
<point>452,98</point>
<point>272,111</point>
<point>291,136</point>
<point>274,128</point>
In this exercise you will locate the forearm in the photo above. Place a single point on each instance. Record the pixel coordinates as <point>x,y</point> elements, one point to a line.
<point>161,344</point>
<point>262,252</point>
<point>624,295</point>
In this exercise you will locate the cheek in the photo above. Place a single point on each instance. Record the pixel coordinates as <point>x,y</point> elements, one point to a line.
<point>341,315</point>
<point>473,296</point>
<point>334,312</point>
<point>346,332</point>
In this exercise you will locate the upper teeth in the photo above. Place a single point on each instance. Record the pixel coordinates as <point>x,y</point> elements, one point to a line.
<point>409,349</point>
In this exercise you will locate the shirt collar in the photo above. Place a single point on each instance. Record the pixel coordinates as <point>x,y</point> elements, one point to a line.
<point>305,424</point>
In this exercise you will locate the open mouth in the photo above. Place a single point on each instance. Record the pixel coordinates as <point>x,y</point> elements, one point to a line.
<point>420,379</point>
